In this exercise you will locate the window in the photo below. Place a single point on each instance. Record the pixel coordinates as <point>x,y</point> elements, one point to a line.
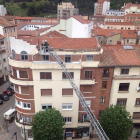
<point>100,113</point>
<point>123,86</point>
<point>121,101</point>
<point>46,106</point>
<point>26,105</point>
<point>14,29</point>
<point>104,84</point>
<point>102,99</point>
<point>108,27</point>
<point>128,28</point>
<point>88,102</point>
<point>19,103</point>
<point>124,71</point>
<point>45,75</point>
<point>14,54</point>
<point>24,55</point>
<point>137,28</point>
<point>67,58</point>
<point>5,68</point>
<point>137,101</point>
<point>136,115</point>
<point>67,91</point>
<point>66,106</point>
<point>110,41</point>
<point>89,58</point>
<point>27,119</point>
<point>5,31</point>
<point>23,74</point>
<point>2,42</point>
<point>10,29</point>
<point>67,119</point>
<point>65,77</point>
<point>127,40</point>
<point>99,38</point>
<point>121,27</point>
<point>127,17</point>
<point>45,57</point>
<point>46,92</point>
<point>88,74</point>
<point>130,17</point>
<point>85,117</point>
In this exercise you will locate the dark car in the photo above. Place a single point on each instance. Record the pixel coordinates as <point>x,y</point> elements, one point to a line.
<point>12,90</point>
<point>4,97</point>
<point>1,102</point>
<point>7,92</point>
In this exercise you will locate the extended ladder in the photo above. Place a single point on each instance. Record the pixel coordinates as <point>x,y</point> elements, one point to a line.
<point>95,123</point>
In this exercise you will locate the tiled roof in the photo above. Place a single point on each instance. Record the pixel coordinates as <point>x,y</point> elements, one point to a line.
<point>1,36</point>
<point>26,33</point>
<point>80,19</point>
<point>106,32</point>
<point>64,42</point>
<point>128,34</point>
<point>114,17</point>
<point>118,56</point>
<point>6,23</point>
<point>118,23</point>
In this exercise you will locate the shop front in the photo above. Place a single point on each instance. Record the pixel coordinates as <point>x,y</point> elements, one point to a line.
<point>78,132</point>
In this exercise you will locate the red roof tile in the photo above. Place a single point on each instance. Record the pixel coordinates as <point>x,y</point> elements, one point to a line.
<point>128,34</point>
<point>118,56</point>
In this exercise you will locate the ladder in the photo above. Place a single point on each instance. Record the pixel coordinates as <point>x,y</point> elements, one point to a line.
<point>95,123</point>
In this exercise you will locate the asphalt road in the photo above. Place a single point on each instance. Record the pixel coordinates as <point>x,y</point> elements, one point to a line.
<point>11,126</point>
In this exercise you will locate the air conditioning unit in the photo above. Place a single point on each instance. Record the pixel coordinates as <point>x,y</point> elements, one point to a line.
<point>138,88</point>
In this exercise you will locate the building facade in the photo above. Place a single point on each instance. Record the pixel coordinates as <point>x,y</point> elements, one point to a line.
<point>112,12</point>
<point>3,10</point>
<point>31,68</point>
<point>101,7</point>
<point>65,10</point>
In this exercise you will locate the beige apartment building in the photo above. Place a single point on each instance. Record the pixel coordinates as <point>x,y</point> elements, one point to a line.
<point>65,10</point>
<point>126,79</point>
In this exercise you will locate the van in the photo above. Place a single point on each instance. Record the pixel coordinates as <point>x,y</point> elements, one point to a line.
<point>10,114</point>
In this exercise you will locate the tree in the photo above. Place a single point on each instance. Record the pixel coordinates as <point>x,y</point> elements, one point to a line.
<point>23,5</point>
<point>48,125</point>
<point>116,122</point>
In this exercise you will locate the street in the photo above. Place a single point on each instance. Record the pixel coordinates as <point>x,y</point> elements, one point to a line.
<point>11,126</point>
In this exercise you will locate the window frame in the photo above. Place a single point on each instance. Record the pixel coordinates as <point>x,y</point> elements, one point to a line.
<point>123,101</point>
<point>104,84</point>
<point>67,119</point>
<point>24,55</point>
<point>72,75</point>
<point>67,56</point>
<point>122,85</point>
<point>45,75</point>
<point>26,105</point>
<point>125,69</point>
<point>67,104</point>
<point>137,100</point>
<point>88,74</point>
<point>47,105</point>
<point>90,57</point>
<point>102,99</point>
<point>45,58</point>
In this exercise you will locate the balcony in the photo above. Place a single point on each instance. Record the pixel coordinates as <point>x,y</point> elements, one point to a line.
<point>105,75</point>
<point>87,82</point>
<point>84,123</point>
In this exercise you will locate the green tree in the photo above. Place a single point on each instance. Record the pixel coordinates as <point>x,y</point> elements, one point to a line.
<point>48,125</point>
<point>116,122</point>
<point>23,5</point>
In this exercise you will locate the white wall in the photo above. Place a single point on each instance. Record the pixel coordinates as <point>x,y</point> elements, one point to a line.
<point>19,45</point>
<point>106,6</point>
<point>3,10</point>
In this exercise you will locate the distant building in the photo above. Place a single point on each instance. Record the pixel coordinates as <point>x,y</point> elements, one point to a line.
<point>115,12</point>
<point>131,8</point>
<point>114,18</point>
<point>65,10</point>
<point>101,7</point>
<point>3,10</point>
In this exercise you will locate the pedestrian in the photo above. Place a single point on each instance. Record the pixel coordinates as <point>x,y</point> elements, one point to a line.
<point>137,134</point>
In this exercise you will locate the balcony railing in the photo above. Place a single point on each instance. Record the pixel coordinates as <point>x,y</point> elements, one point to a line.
<point>25,123</point>
<point>106,75</point>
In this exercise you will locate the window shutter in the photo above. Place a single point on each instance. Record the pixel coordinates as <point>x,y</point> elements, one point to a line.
<point>67,91</point>
<point>46,92</point>
<point>42,75</point>
<point>23,74</point>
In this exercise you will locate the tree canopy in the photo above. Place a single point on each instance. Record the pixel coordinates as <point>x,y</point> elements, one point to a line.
<point>48,125</point>
<point>116,122</point>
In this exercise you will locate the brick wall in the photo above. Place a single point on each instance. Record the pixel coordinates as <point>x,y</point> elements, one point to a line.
<point>97,90</point>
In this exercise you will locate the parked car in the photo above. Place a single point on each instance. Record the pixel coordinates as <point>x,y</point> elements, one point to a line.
<point>4,97</point>
<point>1,102</point>
<point>11,89</point>
<point>7,92</point>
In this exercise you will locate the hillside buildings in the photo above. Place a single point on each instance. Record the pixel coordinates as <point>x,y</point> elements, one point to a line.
<point>65,10</point>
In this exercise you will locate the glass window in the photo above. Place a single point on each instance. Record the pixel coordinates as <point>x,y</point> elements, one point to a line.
<point>67,119</point>
<point>89,58</point>
<point>67,106</point>
<point>124,86</point>
<point>65,77</point>
<point>88,74</point>
<point>45,57</point>
<point>67,58</point>
<point>14,54</point>
<point>24,55</point>
<point>46,106</point>
<point>45,75</point>
<point>124,71</point>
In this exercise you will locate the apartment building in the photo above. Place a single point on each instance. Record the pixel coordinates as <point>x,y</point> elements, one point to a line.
<point>4,83</point>
<point>3,10</point>
<point>107,37</point>
<point>131,8</point>
<point>101,6</point>
<point>73,27</point>
<point>65,10</point>
<point>112,12</point>
<point>97,19</point>
<point>41,83</point>
<point>126,78</point>
<point>114,19</point>
<point>119,25</point>
<point>132,17</point>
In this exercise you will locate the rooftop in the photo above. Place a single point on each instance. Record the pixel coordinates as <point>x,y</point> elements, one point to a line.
<point>5,23</point>
<point>128,34</point>
<point>118,56</point>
